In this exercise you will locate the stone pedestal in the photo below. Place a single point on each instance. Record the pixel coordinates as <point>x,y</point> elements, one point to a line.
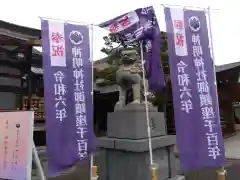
<point>125,150</point>
<point>130,122</point>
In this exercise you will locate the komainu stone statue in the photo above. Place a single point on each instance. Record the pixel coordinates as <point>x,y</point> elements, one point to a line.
<point>130,76</point>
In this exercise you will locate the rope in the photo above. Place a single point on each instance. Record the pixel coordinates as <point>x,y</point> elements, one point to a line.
<point>146,106</point>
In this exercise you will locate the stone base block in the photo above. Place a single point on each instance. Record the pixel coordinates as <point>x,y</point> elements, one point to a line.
<point>131,123</point>
<point>129,159</point>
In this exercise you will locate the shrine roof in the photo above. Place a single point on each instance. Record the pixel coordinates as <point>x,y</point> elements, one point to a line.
<point>226,67</point>
<point>16,34</point>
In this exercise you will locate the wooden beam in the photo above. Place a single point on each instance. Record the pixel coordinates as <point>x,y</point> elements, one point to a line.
<point>32,42</point>
<point>9,43</point>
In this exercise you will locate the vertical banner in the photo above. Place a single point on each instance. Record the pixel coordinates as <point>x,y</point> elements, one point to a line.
<point>16,138</point>
<point>67,93</point>
<point>142,25</point>
<point>196,109</point>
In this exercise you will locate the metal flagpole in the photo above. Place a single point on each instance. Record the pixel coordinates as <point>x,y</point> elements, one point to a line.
<point>65,20</point>
<point>38,163</point>
<point>221,171</point>
<point>93,169</point>
<point>40,171</point>
<point>146,106</point>
<point>187,6</point>
<point>91,56</point>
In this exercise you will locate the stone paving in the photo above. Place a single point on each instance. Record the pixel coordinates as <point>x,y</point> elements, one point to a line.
<point>232,167</point>
<point>232,147</point>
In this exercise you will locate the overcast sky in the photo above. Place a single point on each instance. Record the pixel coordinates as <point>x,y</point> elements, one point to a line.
<point>27,13</point>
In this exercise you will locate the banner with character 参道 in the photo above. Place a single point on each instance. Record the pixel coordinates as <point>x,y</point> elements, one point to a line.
<point>196,109</point>
<point>67,92</point>
<point>16,141</point>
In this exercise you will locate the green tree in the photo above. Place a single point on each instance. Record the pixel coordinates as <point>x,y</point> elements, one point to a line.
<point>113,44</point>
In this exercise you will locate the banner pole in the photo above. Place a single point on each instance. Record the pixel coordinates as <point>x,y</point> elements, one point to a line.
<point>64,20</point>
<point>91,56</point>
<point>93,169</point>
<point>146,106</point>
<point>38,163</point>
<point>220,171</point>
<point>187,6</point>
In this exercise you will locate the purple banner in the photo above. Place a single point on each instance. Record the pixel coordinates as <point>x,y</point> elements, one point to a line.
<point>142,25</point>
<point>196,109</point>
<point>67,93</point>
